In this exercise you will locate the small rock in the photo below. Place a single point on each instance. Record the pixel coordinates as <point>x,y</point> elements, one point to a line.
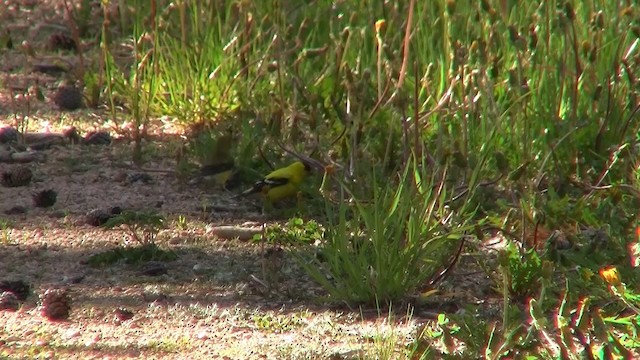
<point>16,210</point>
<point>50,69</point>
<point>154,296</point>
<point>200,269</point>
<point>154,268</point>
<point>123,314</point>
<point>139,177</point>
<point>97,138</point>
<point>120,176</point>
<point>73,279</point>
<point>72,333</point>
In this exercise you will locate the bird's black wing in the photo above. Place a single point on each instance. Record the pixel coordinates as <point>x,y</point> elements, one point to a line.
<point>264,185</point>
<point>275,181</point>
<point>216,169</point>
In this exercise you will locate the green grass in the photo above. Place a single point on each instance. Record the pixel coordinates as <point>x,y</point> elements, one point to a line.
<point>449,119</point>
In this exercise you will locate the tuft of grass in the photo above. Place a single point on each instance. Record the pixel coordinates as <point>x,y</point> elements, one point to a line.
<point>142,227</point>
<point>296,231</point>
<point>131,255</point>
<point>386,247</point>
<point>276,323</point>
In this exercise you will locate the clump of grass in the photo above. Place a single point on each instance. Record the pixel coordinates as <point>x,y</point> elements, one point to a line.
<point>386,247</point>
<point>141,227</point>
<point>131,255</point>
<point>296,231</point>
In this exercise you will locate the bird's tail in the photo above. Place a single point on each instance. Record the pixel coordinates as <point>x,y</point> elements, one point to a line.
<point>256,188</point>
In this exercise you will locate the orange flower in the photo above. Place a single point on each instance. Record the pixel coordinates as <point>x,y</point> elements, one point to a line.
<point>329,169</point>
<point>610,275</point>
<point>379,25</point>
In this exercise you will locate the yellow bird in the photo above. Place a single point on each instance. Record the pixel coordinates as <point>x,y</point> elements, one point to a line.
<point>218,174</point>
<point>281,183</point>
<point>217,164</point>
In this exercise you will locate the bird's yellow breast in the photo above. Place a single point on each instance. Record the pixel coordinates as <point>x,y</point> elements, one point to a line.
<point>289,178</point>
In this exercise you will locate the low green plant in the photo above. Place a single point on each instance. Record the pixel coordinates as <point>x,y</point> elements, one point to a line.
<point>522,270</point>
<point>142,227</point>
<point>276,323</point>
<point>5,223</point>
<point>5,236</point>
<point>295,231</point>
<point>181,223</point>
<point>581,328</point>
<point>131,255</point>
<point>553,325</point>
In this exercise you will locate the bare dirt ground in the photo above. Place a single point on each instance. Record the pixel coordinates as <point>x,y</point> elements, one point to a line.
<point>207,305</point>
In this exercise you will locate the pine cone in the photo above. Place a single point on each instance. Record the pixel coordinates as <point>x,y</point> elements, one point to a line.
<point>19,288</point>
<point>68,97</point>
<point>97,138</point>
<point>16,176</point>
<point>154,268</point>
<point>8,134</point>
<point>61,41</point>
<point>55,304</point>
<point>45,198</point>
<point>16,210</point>
<point>9,301</point>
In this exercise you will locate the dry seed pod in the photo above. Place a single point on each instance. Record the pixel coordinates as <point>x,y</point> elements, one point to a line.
<point>593,55</point>
<point>569,12</point>
<point>459,160</point>
<point>501,162</point>
<point>599,20</point>
<point>484,4</point>
<point>597,93</point>
<point>314,52</point>
<point>272,66</point>
<point>28,49</point>
<point>586,47</point>
<point>533,37</point>
<point>344,35</point>
<point>451,7</point>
